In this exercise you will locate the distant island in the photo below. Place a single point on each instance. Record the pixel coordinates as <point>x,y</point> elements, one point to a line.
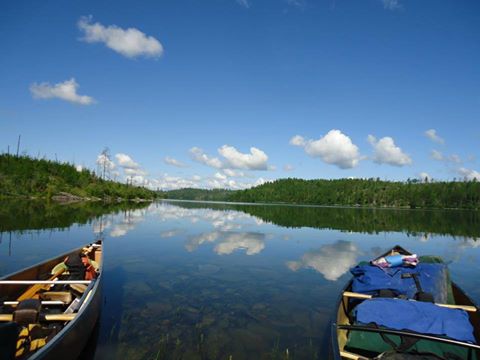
<point>411,194</point>
<point>25,177</point>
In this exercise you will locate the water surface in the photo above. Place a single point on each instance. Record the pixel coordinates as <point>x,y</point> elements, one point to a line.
<point>187,280</point>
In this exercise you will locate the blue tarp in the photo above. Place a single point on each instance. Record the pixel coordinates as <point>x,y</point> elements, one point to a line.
<point>422,317</point>
<point>368,279</point>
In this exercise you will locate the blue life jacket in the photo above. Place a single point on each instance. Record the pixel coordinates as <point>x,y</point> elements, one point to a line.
<point>421,317</point>
<point>433,277</point>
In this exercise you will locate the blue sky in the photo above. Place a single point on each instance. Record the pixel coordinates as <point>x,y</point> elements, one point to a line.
<point>230,93</point>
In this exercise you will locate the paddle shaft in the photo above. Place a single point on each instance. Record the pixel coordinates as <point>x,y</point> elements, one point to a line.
<point>366,296</point>
<point>36,288</point>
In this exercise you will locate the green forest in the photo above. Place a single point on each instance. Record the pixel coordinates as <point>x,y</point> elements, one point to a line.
<point>23,176</point>
<point>350,192</point>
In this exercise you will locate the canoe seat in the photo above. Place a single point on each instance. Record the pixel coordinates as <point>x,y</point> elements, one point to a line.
<point>27,312</point>
<point>64,296</point>
<point>79,287</point>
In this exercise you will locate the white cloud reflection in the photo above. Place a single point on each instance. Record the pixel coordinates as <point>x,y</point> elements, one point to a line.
<point>331,260</point>
<point>171,233</point>
<point>128,223</point>
<point>253,243</point>
<point>101,225</point>
<point>228,242</point>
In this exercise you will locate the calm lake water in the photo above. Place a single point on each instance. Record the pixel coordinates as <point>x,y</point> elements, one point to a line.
<point>190,280</point>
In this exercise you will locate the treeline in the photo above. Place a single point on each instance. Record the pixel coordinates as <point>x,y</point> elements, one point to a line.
<point>351,192</point>
<point>23,176</point>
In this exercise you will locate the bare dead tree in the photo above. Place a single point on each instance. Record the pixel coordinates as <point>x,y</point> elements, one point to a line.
<point>104,163</point>
<point>18,144</point>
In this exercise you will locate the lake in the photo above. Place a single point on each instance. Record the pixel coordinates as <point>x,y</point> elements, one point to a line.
<point>192,280</point>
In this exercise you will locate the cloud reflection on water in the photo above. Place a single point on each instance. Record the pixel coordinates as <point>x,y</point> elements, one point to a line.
<point>128,223</point>
<point>331,260</point>
<point>228,241</point>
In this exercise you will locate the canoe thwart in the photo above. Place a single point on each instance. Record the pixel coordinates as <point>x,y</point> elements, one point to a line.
<point>43,282</point>
<point>48,317</point>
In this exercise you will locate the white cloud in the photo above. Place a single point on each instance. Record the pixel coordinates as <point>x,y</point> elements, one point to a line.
<point>243,3</point>
<point>129,42</point>
<point>391,4</point>
<point>220,176</point>
<point>66,90</point>
<point>469,174</point>
<point>104,162</point>
<point>256,160</point>
<point>79,168</point>
<point>134,172</point>
<point>126,161</point>
<point>233,159</point>
<point>423,176</point>
<point>455,159</point>
<point>198,155</point>
<point>260,181</point>
<point>139,180</point>
<point>437,155</point>
<point>432,135</point>
<point>219,180</point>
<point>332,260</point>
<point>233,173</point>
<point>334,148</point>
<point>167,182</point>
<point>297,140</point>
<point>386,152</point>
<point>288,167</point>
<point>174,162</point>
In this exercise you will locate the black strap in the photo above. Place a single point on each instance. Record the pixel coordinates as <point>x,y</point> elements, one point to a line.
<point>406,342</point>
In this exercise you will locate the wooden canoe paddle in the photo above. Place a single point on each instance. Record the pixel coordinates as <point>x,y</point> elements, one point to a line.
<point>34,289</point>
